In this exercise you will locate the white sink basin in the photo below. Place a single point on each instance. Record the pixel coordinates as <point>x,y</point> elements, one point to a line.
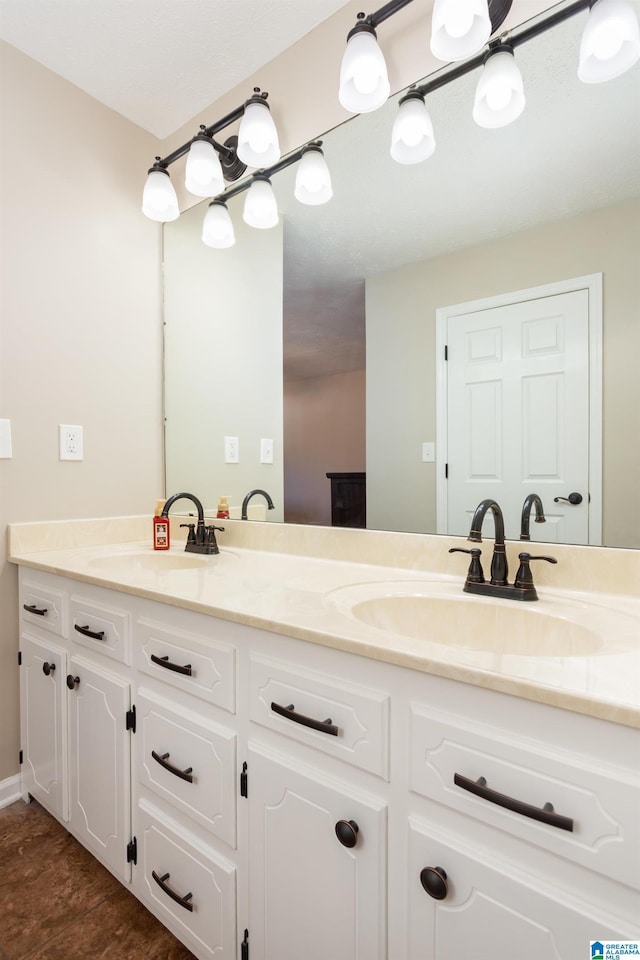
<point>439,612</point>
<point>151,562</point>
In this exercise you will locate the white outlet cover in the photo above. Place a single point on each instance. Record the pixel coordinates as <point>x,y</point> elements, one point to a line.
<point>71,441</point>
<point>231,450</point>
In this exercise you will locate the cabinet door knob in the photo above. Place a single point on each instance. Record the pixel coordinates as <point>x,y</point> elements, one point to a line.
<point>72,682</point>
<point>48,668</point>
<point>434,881</point>
<point>347,832</point>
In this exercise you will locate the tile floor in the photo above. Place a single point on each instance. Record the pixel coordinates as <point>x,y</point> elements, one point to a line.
<point>58,903</point>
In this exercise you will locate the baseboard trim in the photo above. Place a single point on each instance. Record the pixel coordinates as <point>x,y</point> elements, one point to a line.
<point>10,790</point>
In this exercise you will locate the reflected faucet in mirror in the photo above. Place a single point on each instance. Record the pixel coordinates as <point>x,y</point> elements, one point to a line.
<point>200,538</point>
<point>531,501</point>
<point>253,493</point>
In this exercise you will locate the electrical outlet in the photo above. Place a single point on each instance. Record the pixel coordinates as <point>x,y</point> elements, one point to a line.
<point>70,438</point>
<point>266,450</point>
<point>231,450</point>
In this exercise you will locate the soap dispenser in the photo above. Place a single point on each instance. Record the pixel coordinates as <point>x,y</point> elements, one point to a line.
<point>160,528</point>
<point>223,509</point>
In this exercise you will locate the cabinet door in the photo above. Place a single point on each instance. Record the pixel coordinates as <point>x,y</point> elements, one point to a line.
<point>492,908</point>
<point>99,759</point>
<point>310,896</point>
<point>43,723</point>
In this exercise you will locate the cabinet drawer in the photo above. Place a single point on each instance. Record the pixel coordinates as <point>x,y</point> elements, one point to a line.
<point>187,885</point>
<point>188,661</point>
<point>43,605</point>
<point>189,762</point>
<point>341,719</point>
<point>100,627</point>
<point>599,825</point>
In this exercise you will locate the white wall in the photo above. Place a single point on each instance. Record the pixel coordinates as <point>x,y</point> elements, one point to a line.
<point>80,326</point>
<point>401,409</point>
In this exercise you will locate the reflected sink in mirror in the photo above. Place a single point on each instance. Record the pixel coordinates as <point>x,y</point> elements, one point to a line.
<point>162,561</point>
<point>439,612</point>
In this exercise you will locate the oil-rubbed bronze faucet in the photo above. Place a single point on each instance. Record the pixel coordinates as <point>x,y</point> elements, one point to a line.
<point>252,493</point>
<point>200,539</point>
<point>522,588</point>
<point>533,500</point>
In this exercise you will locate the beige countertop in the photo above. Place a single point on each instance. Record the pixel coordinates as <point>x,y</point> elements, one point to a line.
<point>579,650</point>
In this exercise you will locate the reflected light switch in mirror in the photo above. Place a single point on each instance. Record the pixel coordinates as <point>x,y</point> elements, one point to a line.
<point>5,440</point>
<point>428,452</point>
<point>266,451</point>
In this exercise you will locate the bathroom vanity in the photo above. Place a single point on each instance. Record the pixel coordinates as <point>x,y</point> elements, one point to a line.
<point>282,760</point>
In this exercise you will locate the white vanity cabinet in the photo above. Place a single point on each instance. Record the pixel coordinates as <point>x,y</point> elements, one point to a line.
<point>280,800</point>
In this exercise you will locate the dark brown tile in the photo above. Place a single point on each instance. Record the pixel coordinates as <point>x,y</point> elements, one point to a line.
<point>119,928</point>
<point>49,887</point>
<point>22,827</point>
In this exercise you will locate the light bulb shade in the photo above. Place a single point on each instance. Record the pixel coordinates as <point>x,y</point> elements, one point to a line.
<point>412,138</point>
<point>313,180</point>
<point>217,227</point>
<point>203,172</point>
<point>260,206</point>
<point>364,84</point>
<point>459,28</point>
<point>258,144</point>
<point>610,43</point>
<point>500,95</point>
<point>159,200</point>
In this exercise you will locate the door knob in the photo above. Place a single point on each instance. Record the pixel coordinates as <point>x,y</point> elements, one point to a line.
<point>434,881</point>
<point>48,668</point>
<point>347,832</point>
<point>574,499</point>
<point>72,682</point>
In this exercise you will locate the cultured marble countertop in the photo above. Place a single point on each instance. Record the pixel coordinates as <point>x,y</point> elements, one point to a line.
<point>571,649</point>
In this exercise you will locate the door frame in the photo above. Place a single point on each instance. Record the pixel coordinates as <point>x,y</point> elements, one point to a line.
<point>592,283</point>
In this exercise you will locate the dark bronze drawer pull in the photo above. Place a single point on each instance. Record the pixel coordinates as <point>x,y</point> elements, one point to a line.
<point>166,663</point>
<point>544,814</point>
<point>162,758</point>
<point>162,883</point>
<point>86,632</point>
<point>31,608</point>
<point>324,726</point>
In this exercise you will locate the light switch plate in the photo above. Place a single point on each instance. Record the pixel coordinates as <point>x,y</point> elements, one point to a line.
<point>5,440</point>
<point>428,452</point>
<point>266,450</point>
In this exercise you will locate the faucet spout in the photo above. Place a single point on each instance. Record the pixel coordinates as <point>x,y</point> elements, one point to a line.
<point>533,500</point>
<point>499,567</point>
<point>252,493</point>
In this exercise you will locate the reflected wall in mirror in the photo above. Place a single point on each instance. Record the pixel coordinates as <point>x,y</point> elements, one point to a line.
<point>354,287</point>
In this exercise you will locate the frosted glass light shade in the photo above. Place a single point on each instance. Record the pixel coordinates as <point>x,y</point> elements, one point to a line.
<point>459,28</point>
<point>260,206</point>
<point>364,84</point>
<point>610,43</point>
<point>412,138</point>
<point>217,227</point>
<point>203,172</point>
<point>313,180</point>
<point>500,95</point>
<point>258,144</point>
<point>159,200</point>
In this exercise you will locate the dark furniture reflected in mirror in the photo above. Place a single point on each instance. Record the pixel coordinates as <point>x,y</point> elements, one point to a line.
<point>348,499</point>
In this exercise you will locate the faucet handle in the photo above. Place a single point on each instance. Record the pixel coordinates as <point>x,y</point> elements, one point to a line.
<point>191,536</point>
<point>475,574</point>
<point>523,576</point>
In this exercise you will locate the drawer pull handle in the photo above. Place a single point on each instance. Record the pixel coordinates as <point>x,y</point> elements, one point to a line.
<point>162,758</point>
<point>324,726</point>
<point>162,883</point>
<point>48,668</point>
<point>544,814</point>
<point>86,632</point>
<point>166,663</point>
<point>31,608</point>
<point>434,881</point>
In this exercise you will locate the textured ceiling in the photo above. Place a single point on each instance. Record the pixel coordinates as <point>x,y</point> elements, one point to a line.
<point>158,62</point>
